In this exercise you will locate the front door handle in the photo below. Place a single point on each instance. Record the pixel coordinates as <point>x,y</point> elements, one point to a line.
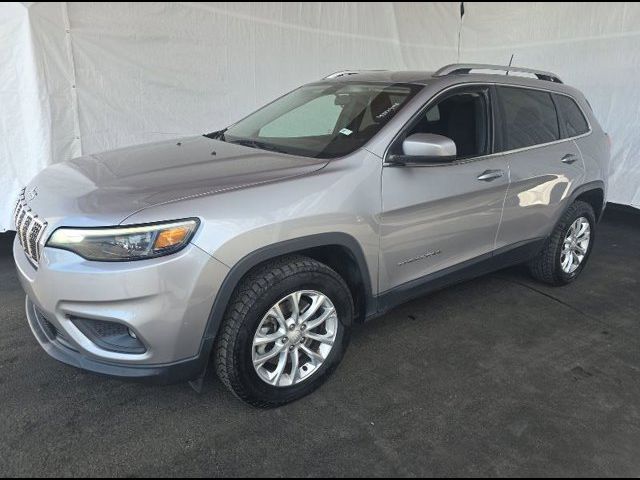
<point>490,175</point>
<point>569,158</point>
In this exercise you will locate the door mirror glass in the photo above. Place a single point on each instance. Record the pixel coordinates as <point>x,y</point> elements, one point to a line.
<point>427,147</point>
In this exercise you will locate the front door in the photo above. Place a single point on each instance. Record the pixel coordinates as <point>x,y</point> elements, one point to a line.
<point>438,216</point>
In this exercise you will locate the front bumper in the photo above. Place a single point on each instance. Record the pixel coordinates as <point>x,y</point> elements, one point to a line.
<point>166,301</point>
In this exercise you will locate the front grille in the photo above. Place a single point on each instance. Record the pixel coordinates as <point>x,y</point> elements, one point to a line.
<point>29,229</point>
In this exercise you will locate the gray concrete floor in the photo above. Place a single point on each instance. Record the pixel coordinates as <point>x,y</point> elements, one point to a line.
<point>498,376</point>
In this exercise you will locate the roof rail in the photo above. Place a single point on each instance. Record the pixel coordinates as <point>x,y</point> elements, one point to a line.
<point>465,68</point>
<point>346,73</point>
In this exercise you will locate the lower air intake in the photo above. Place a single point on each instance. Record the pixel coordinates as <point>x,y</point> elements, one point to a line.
<point>49,328</point>
<point>110,336</point>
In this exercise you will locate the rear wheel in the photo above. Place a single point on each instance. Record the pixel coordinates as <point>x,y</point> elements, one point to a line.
<point>566,252</point>
<point>285,331</point>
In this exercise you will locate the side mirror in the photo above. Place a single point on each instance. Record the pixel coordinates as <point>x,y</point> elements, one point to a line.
<point>426,148</point>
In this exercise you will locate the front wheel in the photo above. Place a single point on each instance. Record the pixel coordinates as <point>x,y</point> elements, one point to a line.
<point>285,331</point>
<point>566,252</point>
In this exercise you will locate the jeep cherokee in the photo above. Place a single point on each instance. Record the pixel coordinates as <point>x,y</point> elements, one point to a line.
<point>258,246</point>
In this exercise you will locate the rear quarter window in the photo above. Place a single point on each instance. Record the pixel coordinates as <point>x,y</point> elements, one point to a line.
<point>529,118</point>
<point>571,117</point>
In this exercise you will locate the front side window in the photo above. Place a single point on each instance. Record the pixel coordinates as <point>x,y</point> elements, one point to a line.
<point>326,120</point>
<point>463,117</point>
<point>528,117</point>
<point>573,120</point>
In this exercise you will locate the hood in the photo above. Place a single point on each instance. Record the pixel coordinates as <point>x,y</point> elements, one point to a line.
<point>107,188</point>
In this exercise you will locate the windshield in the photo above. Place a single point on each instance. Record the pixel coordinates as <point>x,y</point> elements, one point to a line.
<point>321,120</point>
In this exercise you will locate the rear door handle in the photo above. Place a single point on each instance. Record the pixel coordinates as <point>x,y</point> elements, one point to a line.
<point>569,159</point>
<point>490,175</point>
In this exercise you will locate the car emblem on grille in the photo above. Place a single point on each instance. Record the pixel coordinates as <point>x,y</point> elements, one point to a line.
<point>31,194</point>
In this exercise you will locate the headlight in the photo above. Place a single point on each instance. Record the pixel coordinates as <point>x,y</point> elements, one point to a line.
<point>136,242</point>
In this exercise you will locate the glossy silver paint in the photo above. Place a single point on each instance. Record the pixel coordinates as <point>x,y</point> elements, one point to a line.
<point>441,207</point>
<point>165,301</point>
<point>428,145</point>
<point>409,221</point>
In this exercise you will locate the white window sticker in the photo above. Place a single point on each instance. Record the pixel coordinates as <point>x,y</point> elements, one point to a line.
<point>346,131</point>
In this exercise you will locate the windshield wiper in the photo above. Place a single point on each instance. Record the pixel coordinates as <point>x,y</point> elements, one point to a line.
<point>217,135</point>
<point>257,144</point>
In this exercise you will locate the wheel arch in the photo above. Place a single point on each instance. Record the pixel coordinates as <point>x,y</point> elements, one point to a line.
<point>593,194</point>
<point>339,251</point>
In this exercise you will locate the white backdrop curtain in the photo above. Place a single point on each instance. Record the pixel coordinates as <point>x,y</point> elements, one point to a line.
<point>594,46</point>
<point>79,78</point>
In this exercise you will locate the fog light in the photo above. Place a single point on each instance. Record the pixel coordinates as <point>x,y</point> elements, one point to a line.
<point>132,334</point>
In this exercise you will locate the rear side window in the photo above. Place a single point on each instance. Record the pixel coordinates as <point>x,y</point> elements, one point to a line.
<point>529,118</point>
<point>571,117</point>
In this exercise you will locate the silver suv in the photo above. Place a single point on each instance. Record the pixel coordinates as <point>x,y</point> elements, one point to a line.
<point>258,246</point>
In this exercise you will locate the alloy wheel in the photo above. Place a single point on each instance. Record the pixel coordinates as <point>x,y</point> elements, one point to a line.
<point>294,338</point>
<point>575,245</point>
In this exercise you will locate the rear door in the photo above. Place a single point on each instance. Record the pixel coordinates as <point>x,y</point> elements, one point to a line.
<point>437,216</point>
<point>544,162</point>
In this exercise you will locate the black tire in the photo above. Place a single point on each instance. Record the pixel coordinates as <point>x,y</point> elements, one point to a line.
<point>546,266</point>
<point>255,295</point>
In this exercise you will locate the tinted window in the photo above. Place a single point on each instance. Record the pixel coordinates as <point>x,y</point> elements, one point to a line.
<point>528,117</point>
<point>462,117</point>
<point>571,117</point>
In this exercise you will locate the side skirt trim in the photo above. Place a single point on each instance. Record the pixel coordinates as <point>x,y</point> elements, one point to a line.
<point>490,262</point>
